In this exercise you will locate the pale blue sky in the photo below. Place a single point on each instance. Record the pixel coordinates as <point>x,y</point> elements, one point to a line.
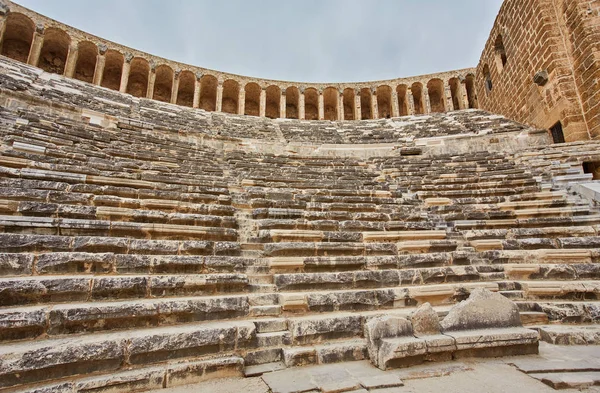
<point>307,40</point>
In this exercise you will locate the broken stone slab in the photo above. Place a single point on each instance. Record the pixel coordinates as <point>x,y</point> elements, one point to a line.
<point>570,335</point>
<point>379,328</point>
<point>482,310</point>
<point>425,321</point>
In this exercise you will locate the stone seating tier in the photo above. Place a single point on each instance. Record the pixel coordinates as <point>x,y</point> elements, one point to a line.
<point>142,246</point>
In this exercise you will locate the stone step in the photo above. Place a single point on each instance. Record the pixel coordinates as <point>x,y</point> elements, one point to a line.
<point>72,226</point>
<point>29,322</point>
<point>58,191</point>
<point>167,375</point>
<point>119,245</point>
<point>51,289</point>
<point>37,362</point>
<point>109,213</point>
<point>65,194</point>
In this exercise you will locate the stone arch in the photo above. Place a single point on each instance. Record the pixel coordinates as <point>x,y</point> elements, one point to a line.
<point>471,94</point>
<point>231,96</point>
<point>417,92</point>
<point>455,93</point>
<point>273,102</point>
<point>208,93</point>
<point>18,36</point>
<point>252,101</point>
<point>137,85</point>
<point>349,104</point>
<point>384,101</point>
<point>292,98</point>
<point>185,91</point>
<point>163,84</point>
<point>402,91</point>
<point>86,61</point>
<point>311,104</point>
<point>55,50</point>
<point>113,68</point>
<point>365,104</point>
<point>437,96</point>
<point>330,103</point>
<point>488,78</point>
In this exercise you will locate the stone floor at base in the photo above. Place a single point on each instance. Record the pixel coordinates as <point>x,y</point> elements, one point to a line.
<point>570,368</point>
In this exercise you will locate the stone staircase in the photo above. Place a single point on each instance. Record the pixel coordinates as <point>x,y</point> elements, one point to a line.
<point>135,256</point>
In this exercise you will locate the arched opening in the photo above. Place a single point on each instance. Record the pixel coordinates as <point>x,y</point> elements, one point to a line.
<point>113,68</point>
<point>292,97</point>
<point>402,91</point>
<point>185,91</point>
<point>365,104</point>
<point>330,103</point>
<point>163,84</point>
<point>208,93</point>
<point>471,94</point>
<point>500,52</point>
<point>417,92</point>
<point>311,104</point>
<point>18,36</point>
<point>55,50</point>
<point>273,102</point>
<point>252,102</point>
<point>86,61</point>
<point>349,104</point>
<point>384,102</point>
<point>455,93</point>
<point>231,94</point>
<point>137,84</point>
<point>488,78</point>
<point>435,88</point>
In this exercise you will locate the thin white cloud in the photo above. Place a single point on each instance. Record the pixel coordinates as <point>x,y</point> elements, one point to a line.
<point>311,40</point>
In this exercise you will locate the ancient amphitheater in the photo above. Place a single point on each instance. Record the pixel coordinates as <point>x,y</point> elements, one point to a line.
<point>164,225</point>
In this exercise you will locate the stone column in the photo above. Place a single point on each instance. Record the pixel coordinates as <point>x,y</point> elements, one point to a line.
<point>197,86</point>
<point>341,107</point>
<point>357,105</point>
<point>463,99</point>
<point>301,103</point>
<point>125,72</point>
<point>374,106</point>
<point>321,106</point>
<point>410,100</point>
<point>36,46</point>
<point>395,103</point>
<point>242,101</point>
<point>282,105</point>
<point>449,106</point>
<point>263,103</point>
<point>71,62</point>
<point>151,80</point>
<point>219,103</point>
<point>426,102</point>
<point>100,63</point>
<point>175,87</point>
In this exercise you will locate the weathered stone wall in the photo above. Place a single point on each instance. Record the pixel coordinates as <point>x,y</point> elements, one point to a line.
<point>544,36</point>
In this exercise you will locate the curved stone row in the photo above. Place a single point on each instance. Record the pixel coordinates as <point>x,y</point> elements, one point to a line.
<point>56,48</point>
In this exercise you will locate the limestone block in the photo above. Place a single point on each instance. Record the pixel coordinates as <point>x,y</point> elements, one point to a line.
<point>491,338</point>
<point>54,359</point>
<point>482,310</point>
<point>316,329</point>
<point>380,328</point>
<point>425,321</point>
<point>182,341</point>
